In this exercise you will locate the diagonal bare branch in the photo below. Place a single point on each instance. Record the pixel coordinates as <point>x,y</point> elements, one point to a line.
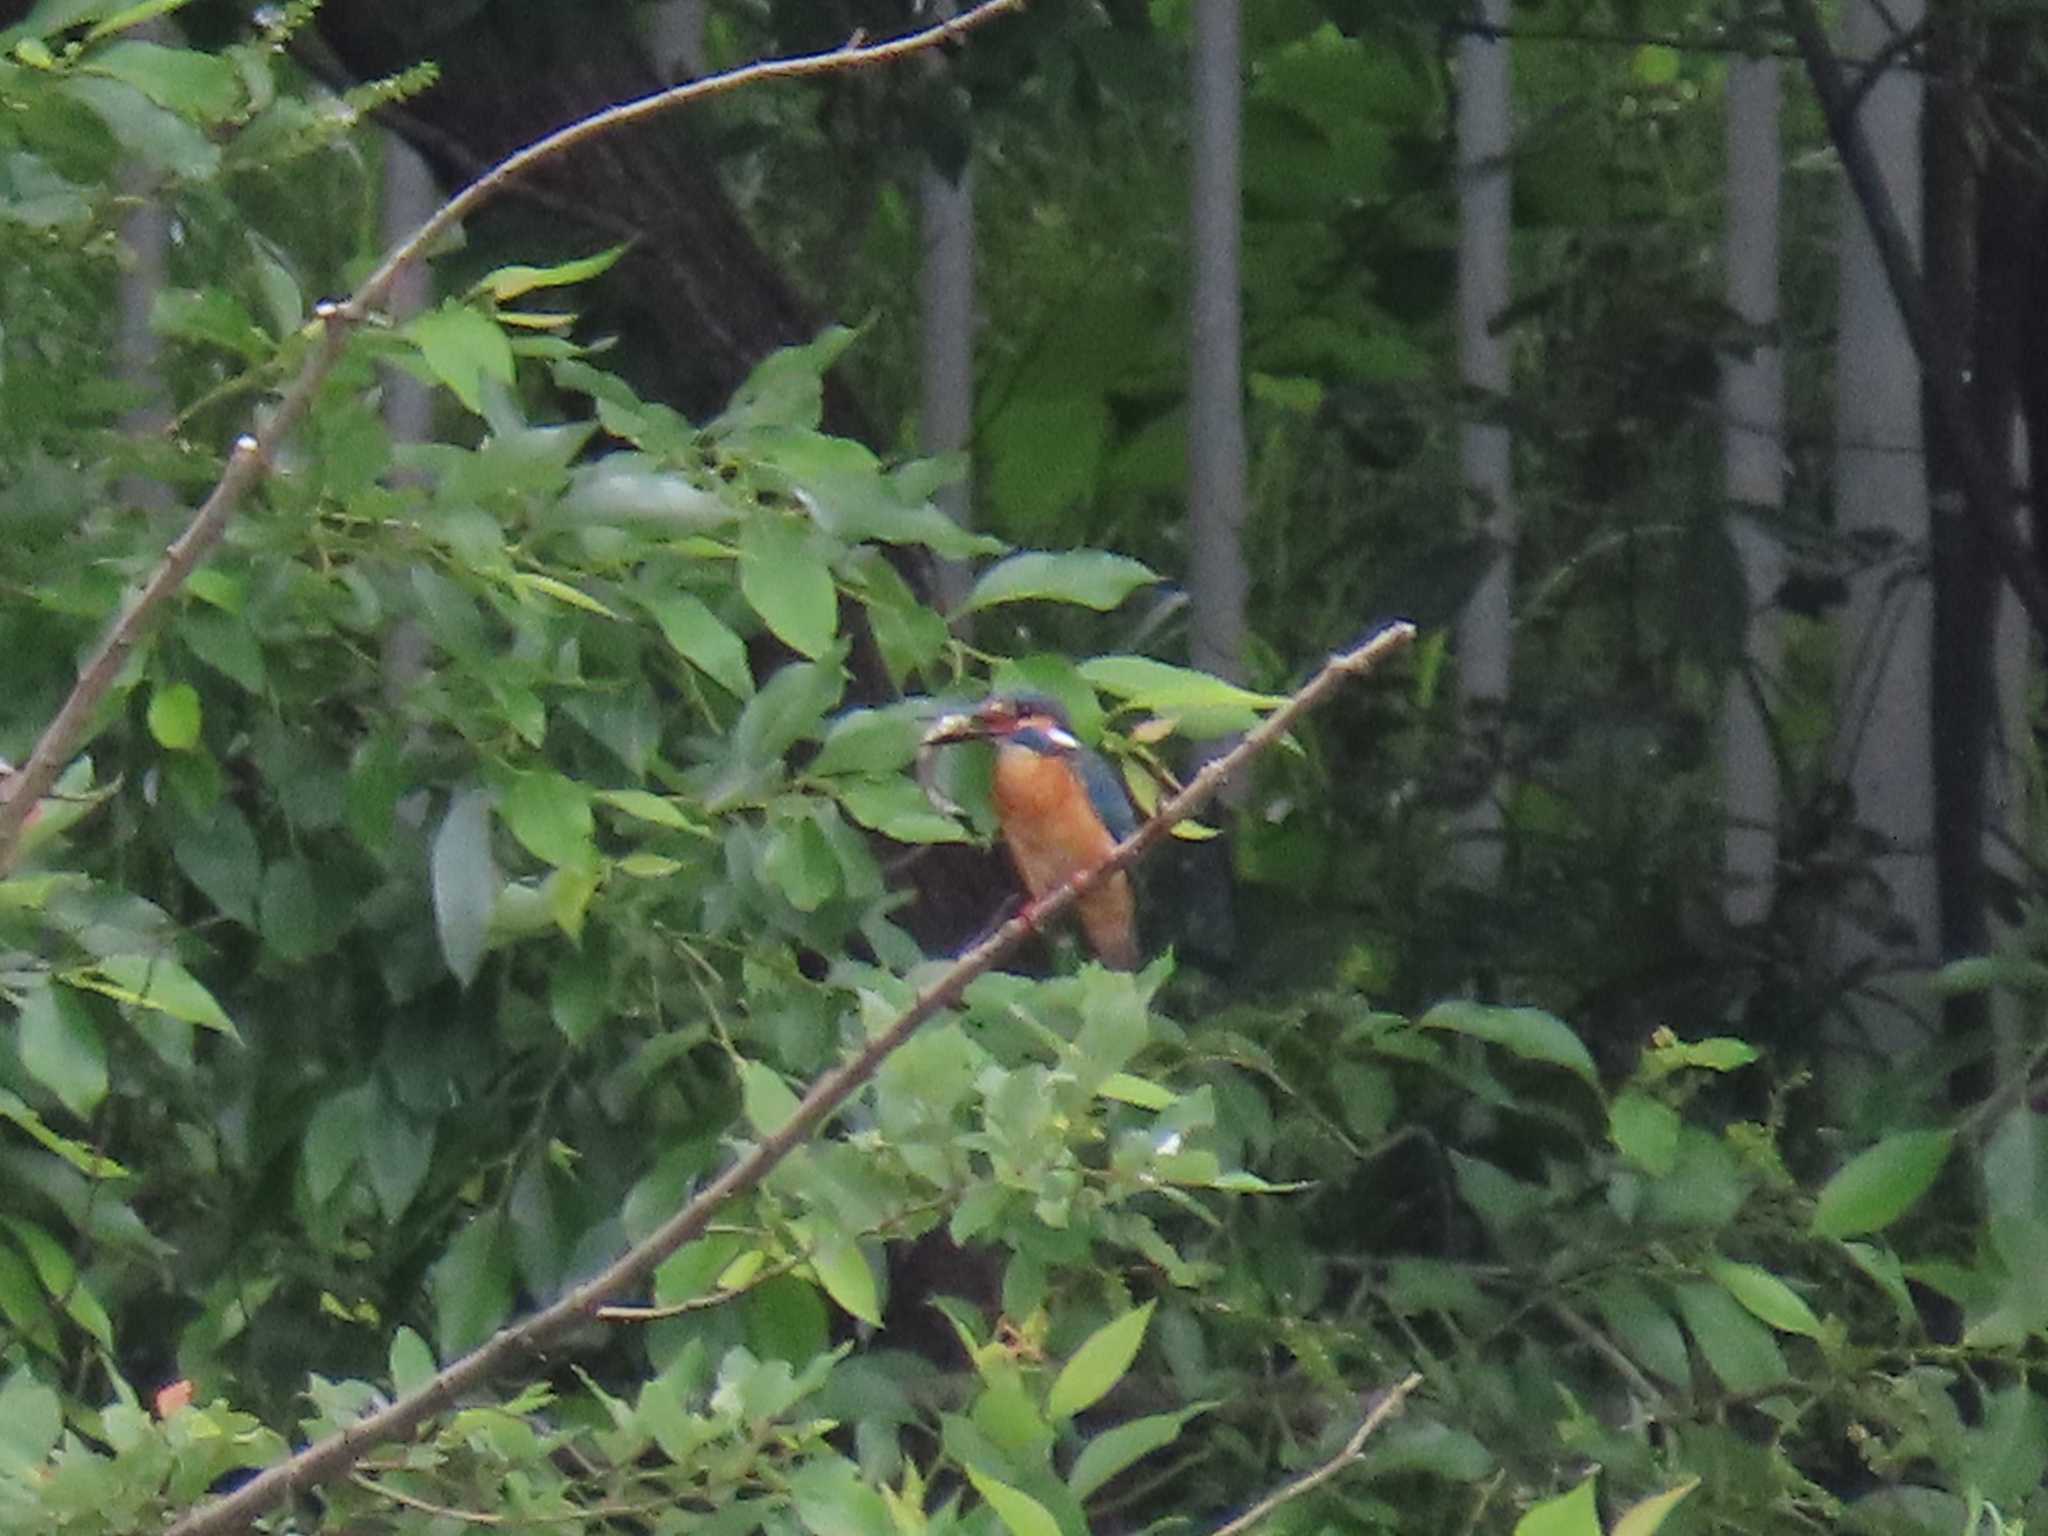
<point>522,1344</point>
<point>1384,1408</point>
<point>252,456</point>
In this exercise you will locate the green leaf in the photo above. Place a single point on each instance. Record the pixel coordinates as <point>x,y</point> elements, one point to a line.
<point>1431,1448</point>
<point>1740,1349</point>
<point>1645,1130</point>
<point>641,805</point>
<point>1980,973</point>
<point>156,982</point>
<point>32,1421</point>
<point>1719,1053</point>
<point>226,644</point>
<point>398,1157</point>
<point>624,489</point>
<point>193,84</point>
<point>832,1499</point>
<point>853,501</point>
<point>873,741</point>
<point>121,18</point>
<point>24,1308</point>
<point>1098,1364</point>
<point>508,283</point>
<point>1881,1184</point>
<point>472,1285</point>
<point>786,1319</point>
<point>1645,1516</point>
<point>897,809</point>
<point>1087,577</point>
<point>411,1361</point>
<point>160,140</point>
<point>1202,706</point>
<point>1528,1032</point>
<point>1655,64</point>
<point>46,18</point>
<point>702,640</point>
<point>334,1141</point>
<point>765,1097</point>
<point>560,591</point>
<point>550,815</point>
<point>212,316</point>
<point>36,197</point>
<point>289,915</point>
<point>786,388</point>
<point>465,883</point>
<point>1138,1091</point>
<point>788,585</point>
<point>1107,1454</point>
<point>1576,1513</point>
<point>1502,1201</point>
<point>579,992</point>
<point>1645,1329</point>
<point>60,1280</point>
<point>462,349</point>
<point>1765,1296</point>
<point>1888,1275</point>
<point>1705,1188</point>
<point>789,706</point>
<point>1021,1514</point>
<point>77,1154</point>
<point>60,1045</point>
<point>800,863</point>
<point>2005,1455</point>
<point>842,1269</point>
<point>174,717</point>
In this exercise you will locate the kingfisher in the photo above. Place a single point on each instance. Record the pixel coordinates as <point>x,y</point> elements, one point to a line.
<point>1061,808</point>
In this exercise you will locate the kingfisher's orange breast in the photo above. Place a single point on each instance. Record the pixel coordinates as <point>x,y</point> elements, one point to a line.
<point>1053,832</point>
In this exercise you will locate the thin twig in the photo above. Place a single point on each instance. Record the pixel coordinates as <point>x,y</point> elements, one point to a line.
<point>1389,1404</point>
<point>1606,1349</point>
<point>253,454</point>
<point>525,1343</point>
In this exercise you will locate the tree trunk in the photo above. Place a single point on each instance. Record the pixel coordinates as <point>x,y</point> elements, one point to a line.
<point>1485,636</point>
<point>696,300</point>
<point>1980,187</point>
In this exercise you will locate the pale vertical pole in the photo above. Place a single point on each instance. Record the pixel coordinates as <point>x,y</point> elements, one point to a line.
<point>675,38</point>
<point>945,293</point>
<point>410,198</point>
<point>1753,460</point>
<point>1884,748</point>
<point>145,271</point>
<point>1217,582</point>
<point>1485,628</point>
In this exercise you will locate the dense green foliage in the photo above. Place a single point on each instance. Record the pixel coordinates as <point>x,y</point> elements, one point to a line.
<point>503,828</point>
